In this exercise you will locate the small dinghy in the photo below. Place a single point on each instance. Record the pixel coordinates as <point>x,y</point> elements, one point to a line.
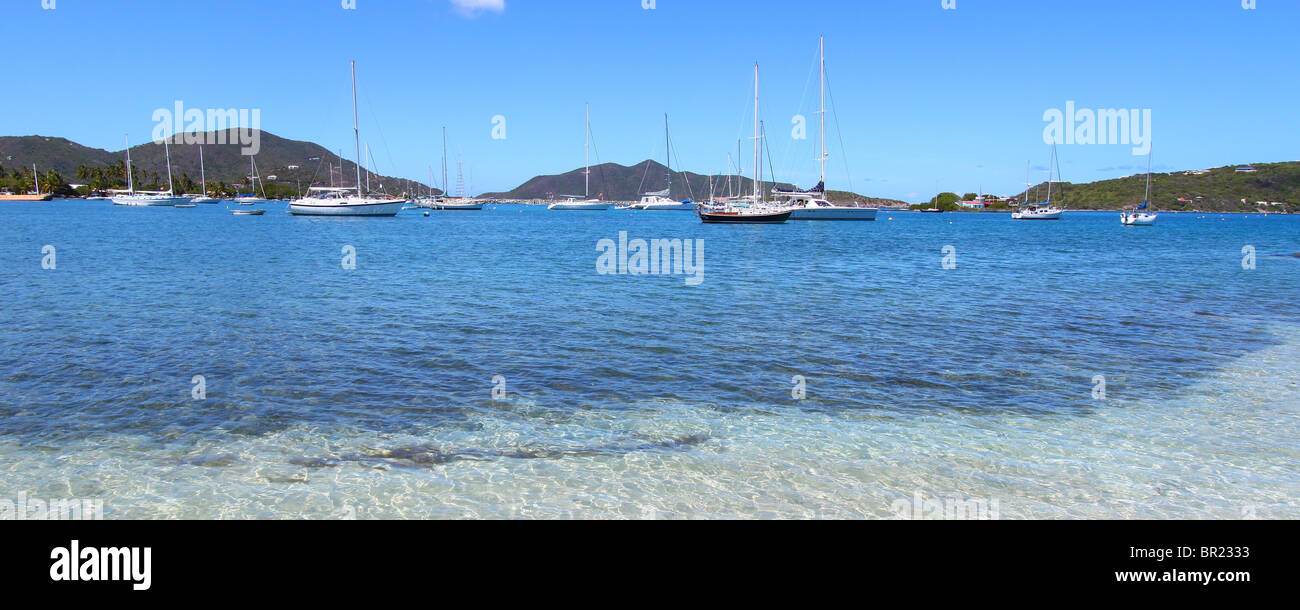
<point>248,212</point>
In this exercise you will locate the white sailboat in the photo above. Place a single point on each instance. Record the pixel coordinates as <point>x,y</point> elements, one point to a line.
<point>252,198</point>
<point>446,201</point>
<point>753,209</point>
<point>323,201</point>
<point>203,179</point>
<point>1041,211</point>
<point>130,197</point>
<point>429,200</point>
<point>662,201</point>
<point>1140,217</point>
<point>574,204</point>
<point>460,202</point>
<point>813,205</point>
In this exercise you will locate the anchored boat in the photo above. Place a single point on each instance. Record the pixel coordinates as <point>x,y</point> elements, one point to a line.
<point>753,209</point>
<point>1042,211</point>
<point>586,203</point>
<point>1140,217</point>
<point>338,201</point>
<point>203,180</point>
<point>130,197</point>
<point>813,204</point>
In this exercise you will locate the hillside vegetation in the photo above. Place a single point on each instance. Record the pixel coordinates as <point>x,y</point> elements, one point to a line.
<point>1220,190</point>
<point>61,162</point>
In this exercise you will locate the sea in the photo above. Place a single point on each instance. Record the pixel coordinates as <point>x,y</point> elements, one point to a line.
<point>191,364</point>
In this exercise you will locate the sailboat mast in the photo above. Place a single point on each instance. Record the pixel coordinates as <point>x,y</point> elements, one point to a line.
<point>444,160</point>
<point>203,174</point>
<point>822,112</point>
<point>36,179</point>
<point>1050,163</point>
<point>1027,184</point>
<point>356,126</point>
<point>587,143</point>
<point>1147,198</point>
<point>460,174</point>
<point>168,151</point>
<point>668,149</point>
<point>730,165</point>
<point>757,161</point>
<point>130,180</point>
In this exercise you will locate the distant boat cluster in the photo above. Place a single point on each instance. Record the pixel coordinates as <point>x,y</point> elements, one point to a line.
<point>756,207</point>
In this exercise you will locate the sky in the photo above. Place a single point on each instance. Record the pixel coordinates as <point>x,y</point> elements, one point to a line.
<point>927,95</point>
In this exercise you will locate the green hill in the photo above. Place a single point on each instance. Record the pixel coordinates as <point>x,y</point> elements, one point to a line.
<point>623,183</point>
<point>295,164</point>
<point>1218,190</point>
<point>59,154</point>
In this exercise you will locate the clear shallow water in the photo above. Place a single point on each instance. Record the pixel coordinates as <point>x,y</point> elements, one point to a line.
<point>367,392</point>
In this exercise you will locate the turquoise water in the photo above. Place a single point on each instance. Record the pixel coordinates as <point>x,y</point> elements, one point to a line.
<point>368,392</point>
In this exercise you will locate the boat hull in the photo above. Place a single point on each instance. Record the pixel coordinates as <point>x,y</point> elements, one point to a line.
<point>23,198</point>
<point>1138,220</point>
<point>668,207</point>
<point>580,207</point>
<point>836,213</point>
<point>737,218</point>
<point>379,208</point>
<point>150,202</point>
<point>1038,215</point>
<point>462,208</point>
<point>205,200</point>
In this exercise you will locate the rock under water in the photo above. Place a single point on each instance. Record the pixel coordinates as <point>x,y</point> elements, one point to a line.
<point>428,455</point>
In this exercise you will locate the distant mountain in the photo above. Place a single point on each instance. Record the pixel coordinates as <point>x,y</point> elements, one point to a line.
<point>616,183</point>
<point>59,154</point>
<point>223,162</point>
<point>622,183</point>
<point>1215,190</point>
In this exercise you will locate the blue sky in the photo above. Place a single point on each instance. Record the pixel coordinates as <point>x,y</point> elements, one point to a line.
<point>923,95</point>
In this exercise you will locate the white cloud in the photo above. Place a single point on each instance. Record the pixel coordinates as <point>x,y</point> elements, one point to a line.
<point>472,8</point>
